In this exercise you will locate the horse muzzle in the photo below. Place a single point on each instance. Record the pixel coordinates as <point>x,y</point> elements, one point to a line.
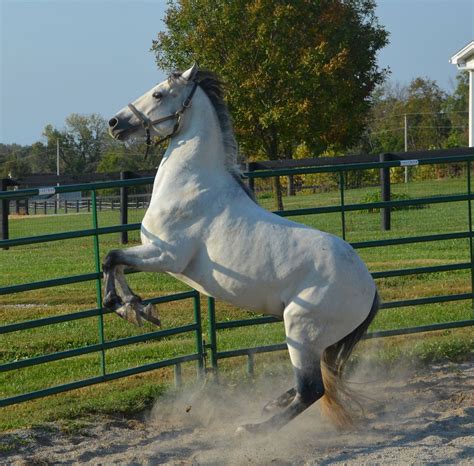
<point>121,128</point>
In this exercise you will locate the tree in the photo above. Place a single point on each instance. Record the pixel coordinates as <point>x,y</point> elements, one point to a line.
<point>14,160</point>
<point>422,104</point>
<point>297,72</point>
<point>81,143</point>
<point>456,106</point>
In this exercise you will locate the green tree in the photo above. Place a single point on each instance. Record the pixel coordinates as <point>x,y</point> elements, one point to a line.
<point>14,160</point>
<point>81,143</point>
<point>297,72</point>
<point>421,105</point>
<point>456,106</point>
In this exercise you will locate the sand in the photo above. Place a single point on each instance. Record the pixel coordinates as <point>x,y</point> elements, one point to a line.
<point>416,416</point>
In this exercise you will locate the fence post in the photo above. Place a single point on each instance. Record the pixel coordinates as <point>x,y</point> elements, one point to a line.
<point>5,207</point>
<point>212,332</point>
<point>290,189</point>
<point>124,206</point>
<point>385,192</point>
<point>249,167</point>
<point>198,334</point>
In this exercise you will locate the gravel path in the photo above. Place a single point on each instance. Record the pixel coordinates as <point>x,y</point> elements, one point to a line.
<point>423,416</point>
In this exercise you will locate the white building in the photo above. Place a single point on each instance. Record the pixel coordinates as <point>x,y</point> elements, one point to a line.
<point>464,60</point>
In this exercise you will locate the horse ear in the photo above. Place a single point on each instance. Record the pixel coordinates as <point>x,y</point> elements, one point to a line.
<point>189,74</point>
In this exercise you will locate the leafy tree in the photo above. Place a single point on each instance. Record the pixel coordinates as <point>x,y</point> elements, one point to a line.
<point>429,126</point>
<point>14,160</point>
<point>422,103</point>
<point>456,106</point>
<point>81,143</point>
<point>15,167</point>
<point>129,157</point>
<point>297,72</point>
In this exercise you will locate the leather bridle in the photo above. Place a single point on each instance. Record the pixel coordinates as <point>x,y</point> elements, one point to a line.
<point>148,124</point>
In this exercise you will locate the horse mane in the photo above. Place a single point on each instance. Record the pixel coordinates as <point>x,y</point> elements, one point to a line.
<point>213,87</point>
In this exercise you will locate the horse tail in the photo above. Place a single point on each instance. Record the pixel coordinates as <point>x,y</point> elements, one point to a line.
<point>333,361</point>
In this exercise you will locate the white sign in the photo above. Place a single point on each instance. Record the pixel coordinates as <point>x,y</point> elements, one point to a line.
<point>46,191</point>
<point>408,163</point>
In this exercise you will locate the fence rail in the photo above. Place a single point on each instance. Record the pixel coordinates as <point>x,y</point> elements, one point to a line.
<point>465,156</point>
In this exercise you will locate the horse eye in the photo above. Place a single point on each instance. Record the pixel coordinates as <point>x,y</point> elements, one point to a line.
<point>157,95</point>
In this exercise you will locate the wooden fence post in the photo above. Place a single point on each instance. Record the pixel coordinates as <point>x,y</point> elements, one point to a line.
<point>290,190</point>
<point>385,219</point>
<point>124,206</point>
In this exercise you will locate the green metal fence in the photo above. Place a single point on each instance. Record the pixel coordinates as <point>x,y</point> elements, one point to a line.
<point>211,347</point>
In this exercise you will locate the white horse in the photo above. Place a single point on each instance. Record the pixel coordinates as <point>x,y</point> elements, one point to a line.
<point>204,228</point>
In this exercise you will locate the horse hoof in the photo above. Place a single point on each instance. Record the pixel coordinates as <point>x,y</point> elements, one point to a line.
<point>130,314</point>
<point>150,314</point>
<point>250,429</point>
<point>111,301</point>
<point>242,431</point>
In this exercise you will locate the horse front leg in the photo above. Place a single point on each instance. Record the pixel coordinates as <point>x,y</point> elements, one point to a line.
<point>109,268</point>
<point>118,295</point>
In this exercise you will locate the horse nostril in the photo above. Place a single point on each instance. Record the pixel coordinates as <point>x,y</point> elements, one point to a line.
<point>113,122</point>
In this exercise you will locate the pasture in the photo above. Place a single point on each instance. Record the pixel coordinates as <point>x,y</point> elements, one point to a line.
<point>61,258</point>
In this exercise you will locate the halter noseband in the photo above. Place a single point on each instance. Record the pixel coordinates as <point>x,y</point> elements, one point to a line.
<point>147,123</point>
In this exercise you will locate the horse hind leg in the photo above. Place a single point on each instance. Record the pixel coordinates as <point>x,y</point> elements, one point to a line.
<point>302,340</point>
<point>281,402</point>
<point>309,389</point>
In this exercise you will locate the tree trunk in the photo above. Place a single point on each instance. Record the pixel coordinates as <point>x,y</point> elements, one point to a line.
<point>272,151</point>
<point>278,196</point>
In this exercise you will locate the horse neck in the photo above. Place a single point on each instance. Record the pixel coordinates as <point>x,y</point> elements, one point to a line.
<point>198,146</point>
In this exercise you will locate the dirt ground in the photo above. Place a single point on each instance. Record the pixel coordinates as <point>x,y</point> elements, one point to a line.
<point>417,416</point>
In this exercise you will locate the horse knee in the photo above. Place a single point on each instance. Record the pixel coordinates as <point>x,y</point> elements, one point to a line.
<point>111,260</point>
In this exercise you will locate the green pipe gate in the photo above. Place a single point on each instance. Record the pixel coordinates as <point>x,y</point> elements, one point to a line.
<point>210,348</point>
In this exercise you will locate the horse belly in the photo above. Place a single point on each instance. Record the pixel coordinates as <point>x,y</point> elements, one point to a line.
<point>248,295</point>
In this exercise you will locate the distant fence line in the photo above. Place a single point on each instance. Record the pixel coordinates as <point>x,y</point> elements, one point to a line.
<point>64,206</point>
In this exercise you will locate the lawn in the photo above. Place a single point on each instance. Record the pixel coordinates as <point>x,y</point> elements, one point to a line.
<point>43,261</point>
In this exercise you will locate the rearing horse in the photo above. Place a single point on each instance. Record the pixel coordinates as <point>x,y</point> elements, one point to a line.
<point>204,228</point>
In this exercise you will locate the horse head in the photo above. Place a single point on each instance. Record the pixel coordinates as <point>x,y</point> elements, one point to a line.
<point>157,113</point>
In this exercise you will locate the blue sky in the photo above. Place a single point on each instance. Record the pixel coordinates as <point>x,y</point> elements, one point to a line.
<point>84,56</point>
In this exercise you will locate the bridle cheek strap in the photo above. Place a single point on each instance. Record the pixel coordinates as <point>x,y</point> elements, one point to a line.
<point>147,123</point>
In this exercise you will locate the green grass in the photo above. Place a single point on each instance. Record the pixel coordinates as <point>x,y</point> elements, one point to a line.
<point>25,264</point>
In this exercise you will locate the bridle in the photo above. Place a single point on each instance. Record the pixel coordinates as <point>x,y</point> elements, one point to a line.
<point>147,123</point>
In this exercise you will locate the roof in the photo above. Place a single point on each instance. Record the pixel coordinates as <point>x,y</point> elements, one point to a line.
<point>464,56</point>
